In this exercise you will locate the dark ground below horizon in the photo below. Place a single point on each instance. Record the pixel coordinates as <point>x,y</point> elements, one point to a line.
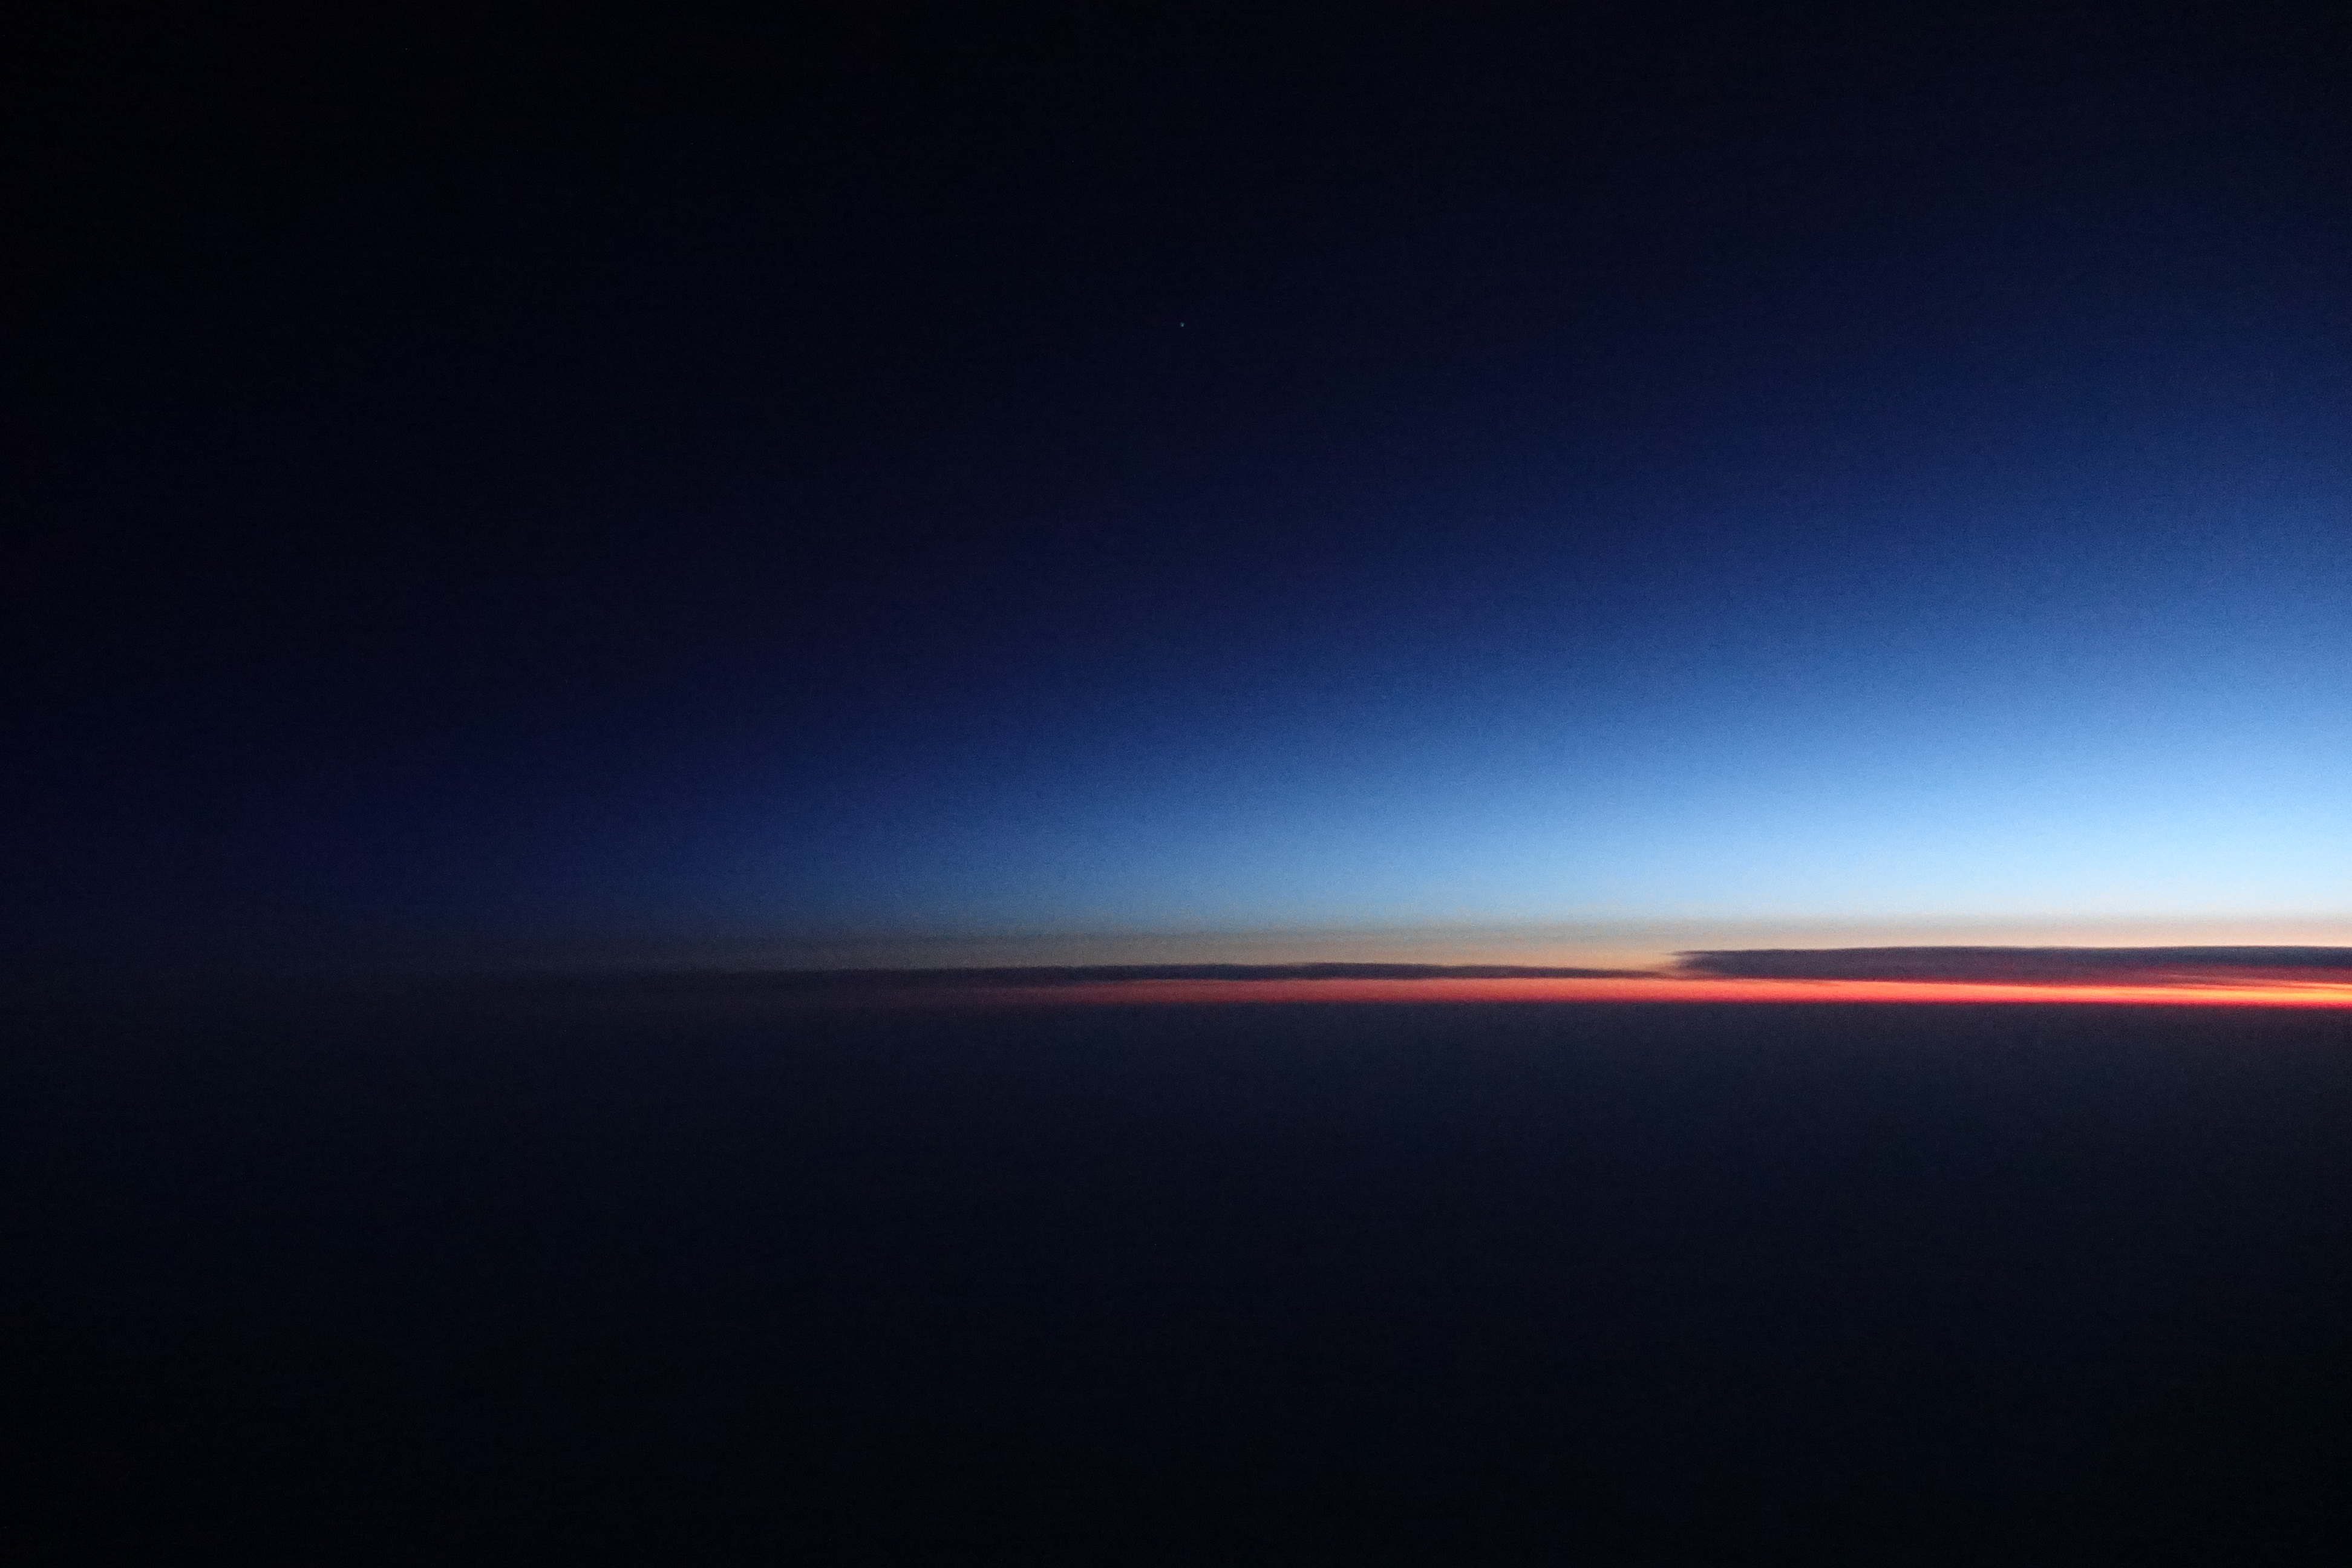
<point>1458,1284</point>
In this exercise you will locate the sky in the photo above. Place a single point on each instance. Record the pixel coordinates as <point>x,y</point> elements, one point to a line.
<point>910,485</point>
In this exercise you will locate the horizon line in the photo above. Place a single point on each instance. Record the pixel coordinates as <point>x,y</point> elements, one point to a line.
<point>2265,976</point>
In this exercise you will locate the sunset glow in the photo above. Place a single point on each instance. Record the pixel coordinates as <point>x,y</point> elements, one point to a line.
<point>2282,993</point>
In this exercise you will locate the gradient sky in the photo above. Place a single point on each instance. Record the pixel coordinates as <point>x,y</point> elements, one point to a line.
<point>1586,480</point>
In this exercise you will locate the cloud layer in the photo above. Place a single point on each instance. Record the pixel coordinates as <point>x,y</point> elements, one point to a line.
<point>2025,966</point>
<point>2272,976</point>
<point>1032,976</point>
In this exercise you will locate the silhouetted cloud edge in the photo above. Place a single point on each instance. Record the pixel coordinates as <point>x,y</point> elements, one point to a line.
<point>2055,968</point>
<point>1031,976</point>
<point>2018,965</point>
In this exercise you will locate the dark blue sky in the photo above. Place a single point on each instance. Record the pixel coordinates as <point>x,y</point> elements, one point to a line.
<point>686,481</point>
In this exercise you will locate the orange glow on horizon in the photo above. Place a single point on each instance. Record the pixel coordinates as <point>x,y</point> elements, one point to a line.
<point>2243,994</point>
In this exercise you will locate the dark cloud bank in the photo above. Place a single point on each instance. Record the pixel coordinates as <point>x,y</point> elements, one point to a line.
<point>2011,966</point>
<point>2028,965</point>
<point>823,982</point>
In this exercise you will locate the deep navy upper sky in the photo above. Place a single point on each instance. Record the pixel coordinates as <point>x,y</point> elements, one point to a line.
<point>595,484</point>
